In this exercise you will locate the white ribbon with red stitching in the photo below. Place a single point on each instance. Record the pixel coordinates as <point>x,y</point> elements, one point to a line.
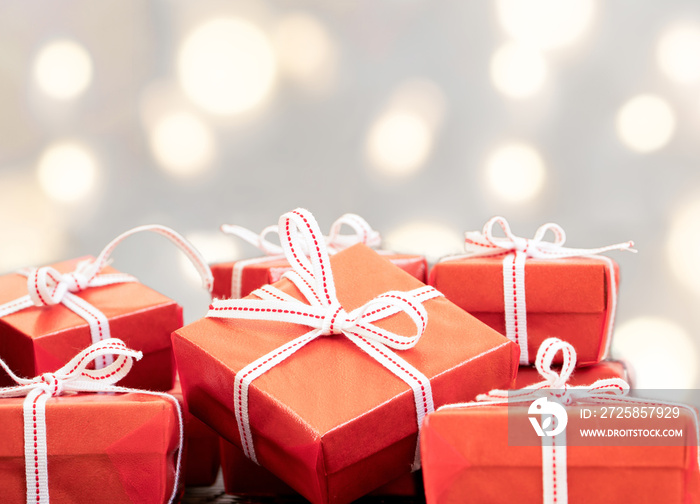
<point>312,275</point>
<point>555,387</point>
<point>73,377</point>
<point>517,250</point>
<point>335,242</point>
<point>48,287</point>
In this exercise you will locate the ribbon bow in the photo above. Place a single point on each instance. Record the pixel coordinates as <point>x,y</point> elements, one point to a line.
<point>47,287</point>
<point>335,242</point>
<point>322,312</point>
<point>517,250</point>
<point>73,377</point>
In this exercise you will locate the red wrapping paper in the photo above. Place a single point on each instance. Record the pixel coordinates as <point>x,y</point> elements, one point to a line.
<point>330,421</point>
<point>38,340</point>
<point>467,458</point>
<point>200,464</point>
<point>581,376</point>
<point>567,298</point>
<point>101,448</point>
<point>244,477</point>
<point>255,276</point>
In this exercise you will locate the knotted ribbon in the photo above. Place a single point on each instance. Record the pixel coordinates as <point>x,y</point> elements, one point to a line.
<point>335,242</point>
<point>555,387</point>
<point>73,377</point>
<point>323,313</point>
<point>516,250</point>
<point>47,287</point>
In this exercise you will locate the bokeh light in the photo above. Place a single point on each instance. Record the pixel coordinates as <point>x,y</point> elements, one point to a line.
<point>182,144</point>
<point>431,239</point>
<point>227,66</point>
<point>214,246</point>
<point>545,24</point>
<point>678,53</point>
<point>63,69</point>
<point>67,172</point>
<point>662,353</point>
<point>305,50</point>
<point>399,143</point>
<point>515,172</point>
<point>645,123</point>
<point>518,71</point>
<point>683,244</point>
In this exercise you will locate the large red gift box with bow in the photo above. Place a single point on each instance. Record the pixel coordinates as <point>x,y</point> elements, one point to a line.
<point>40,339</point>
<point>332,420</point>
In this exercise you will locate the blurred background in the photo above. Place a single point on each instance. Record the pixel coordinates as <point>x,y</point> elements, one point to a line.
<point>425,117</point>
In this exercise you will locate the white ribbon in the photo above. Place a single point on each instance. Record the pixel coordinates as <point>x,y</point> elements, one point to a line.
<point>516,250</point>
<point>335,242</point>
<point>73,377</point>
<point>47,287</point>
<point>555,387</point>
<point>312,275</point>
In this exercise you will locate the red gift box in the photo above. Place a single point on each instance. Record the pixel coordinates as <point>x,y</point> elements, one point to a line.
<point>242,476</point>
<point>557,442</point>
<point>467,458</point>
<point>330,421</point>
<point>237,279</point>
<point>528,375</point>
<point>47,314</point>
<point>88,447</point>
<point>40,339</point>
<point>200,464</point>
<point>563,295</point>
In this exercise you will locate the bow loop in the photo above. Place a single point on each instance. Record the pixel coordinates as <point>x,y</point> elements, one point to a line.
<point>545,355</point>
<point>362,233</point>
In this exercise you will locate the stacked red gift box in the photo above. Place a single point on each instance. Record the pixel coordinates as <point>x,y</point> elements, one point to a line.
<point>318,370</point>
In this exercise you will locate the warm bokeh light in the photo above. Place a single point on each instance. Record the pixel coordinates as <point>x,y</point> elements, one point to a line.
<point>518,71</point>
<point>399,143</point>
<point>431,239</point>
<point>227,66</point>
<point>678,53</point>
<point>546,24</point>
<point>645,123</point>
<point>182,144</point>
<point>67,172</point>
<point>515,172</point>
<point>683,244</point>
<point>214,246</point>
<point>662,353</point>
<point>63,69</point>
<point>305,50</point>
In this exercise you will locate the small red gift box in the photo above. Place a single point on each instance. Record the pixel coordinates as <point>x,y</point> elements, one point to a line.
<point>50,313</point>
<point>200,464</point>
<point>237,279</point>
<point>558,442</point>
<point>244,477</point>
<point>530,290</point>
<point>331,421</point>
<point>88,447</point>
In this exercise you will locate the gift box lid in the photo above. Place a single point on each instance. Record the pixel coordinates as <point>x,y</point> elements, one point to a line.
<point>115,301</point>
<point>568,285</point>
<point>331,396</point>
